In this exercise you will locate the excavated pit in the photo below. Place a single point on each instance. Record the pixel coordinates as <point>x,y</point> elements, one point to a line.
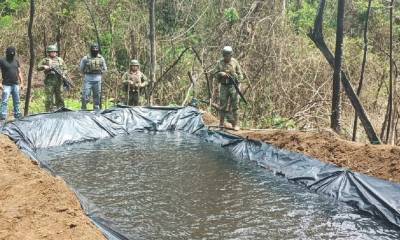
<point>175,185</point>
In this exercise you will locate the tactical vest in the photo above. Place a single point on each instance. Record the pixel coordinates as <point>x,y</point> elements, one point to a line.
<point>94,65</point>
<point>229,68</point>
<point>53,62</point>
<point>134,78</point>
<point>57,62</point>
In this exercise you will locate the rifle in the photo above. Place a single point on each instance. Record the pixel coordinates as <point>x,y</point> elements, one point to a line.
<point>235,84</point>
<point>128,88</point>
<point>68,85</point>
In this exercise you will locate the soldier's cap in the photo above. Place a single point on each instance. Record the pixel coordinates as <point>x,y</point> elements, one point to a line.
<point>134,62</point>
<point>227,50</point>
<point>52,48</point>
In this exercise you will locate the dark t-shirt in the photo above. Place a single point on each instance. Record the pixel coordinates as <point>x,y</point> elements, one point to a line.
<point>9,71</point>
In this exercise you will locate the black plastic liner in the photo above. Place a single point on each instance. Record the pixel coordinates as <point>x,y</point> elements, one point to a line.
<point>377,197</point>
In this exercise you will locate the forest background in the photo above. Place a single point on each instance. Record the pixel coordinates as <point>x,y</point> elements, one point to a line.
<point>288,82</point>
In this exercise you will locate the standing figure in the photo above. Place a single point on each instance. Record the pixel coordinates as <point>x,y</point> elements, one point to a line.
<point>53,84</point>
<point>226,70</point>
<point>93,66</point>
<point>12,82</point>
<point>134,83</point>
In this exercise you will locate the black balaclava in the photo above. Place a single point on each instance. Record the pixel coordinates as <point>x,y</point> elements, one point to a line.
<point>94,50</point>
<point>10,53</point>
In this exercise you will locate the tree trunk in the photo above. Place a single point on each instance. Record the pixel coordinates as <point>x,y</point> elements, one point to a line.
<point>96,31</point>
<point>152,36</point>
<point>44,42</point>
<point>336,102</point>
<point>389,130</point>
<point>316,35</point>
<point>283,8</point>
<point>134,49</point>
<point>299,4</point>
<point>98,43</point>
<point>364,61</point>
<point>32,57</point>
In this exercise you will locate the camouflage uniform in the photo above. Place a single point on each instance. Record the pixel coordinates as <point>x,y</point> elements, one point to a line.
<point>53,85</point>
<point>227,92</point>
<point>133,84</point>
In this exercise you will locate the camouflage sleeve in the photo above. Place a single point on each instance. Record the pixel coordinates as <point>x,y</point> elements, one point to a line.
<point>41,64</point>
<point>145,81</point>
<point>63,67</point>
<point>239,72</point>
<point>125,77</point>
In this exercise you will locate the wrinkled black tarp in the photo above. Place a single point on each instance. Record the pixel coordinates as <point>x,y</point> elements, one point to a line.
<point>371,195</point>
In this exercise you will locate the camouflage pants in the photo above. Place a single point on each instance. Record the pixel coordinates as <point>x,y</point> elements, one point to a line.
<point>53,91</point>
<point>131,96</point>
<point>229,97</point>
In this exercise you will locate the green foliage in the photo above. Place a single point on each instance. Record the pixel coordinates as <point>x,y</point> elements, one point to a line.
<point>7,9</point>
<point>231,15</point>
<point>11,6</point>
<point>38,99</point>
<point>303,18</point>
<point>6,21</point>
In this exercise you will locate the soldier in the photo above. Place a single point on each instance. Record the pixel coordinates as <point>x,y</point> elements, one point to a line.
<point>53,84</point>
<point>134,82</point>
<point>228,66</point>
<point>12,82</point>
<point>93,66</point>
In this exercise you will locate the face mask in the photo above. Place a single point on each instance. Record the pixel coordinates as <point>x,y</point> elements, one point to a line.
<point>10,53</point>
<point>94,53</point>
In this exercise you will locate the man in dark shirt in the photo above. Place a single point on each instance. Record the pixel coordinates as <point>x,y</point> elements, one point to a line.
<point>12,81</point>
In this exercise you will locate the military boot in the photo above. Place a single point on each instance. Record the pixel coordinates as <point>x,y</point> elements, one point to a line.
<point>235,122</point>
<point>221,120</point>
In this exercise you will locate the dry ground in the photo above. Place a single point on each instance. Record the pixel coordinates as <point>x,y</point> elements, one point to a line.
<point>382,161</point>
<point>36,205</point>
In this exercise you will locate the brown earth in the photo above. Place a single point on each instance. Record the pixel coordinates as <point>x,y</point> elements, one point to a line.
<point>36,205</point>
<point>382,161</point>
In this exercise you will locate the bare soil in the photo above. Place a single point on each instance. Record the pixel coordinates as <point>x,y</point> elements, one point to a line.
<point>381,161</point>
<point>34,204</point>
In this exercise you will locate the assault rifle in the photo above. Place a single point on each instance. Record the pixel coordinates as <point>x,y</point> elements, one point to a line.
<point>235,84</point>
<point>68,85</point>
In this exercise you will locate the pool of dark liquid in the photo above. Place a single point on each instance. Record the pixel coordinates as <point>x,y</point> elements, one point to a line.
<point>173,185</point>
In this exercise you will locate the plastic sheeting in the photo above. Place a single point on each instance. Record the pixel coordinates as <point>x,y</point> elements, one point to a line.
<point>371,195</point>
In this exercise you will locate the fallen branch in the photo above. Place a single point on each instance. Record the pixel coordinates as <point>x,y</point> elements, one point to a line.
<point>168,69</point>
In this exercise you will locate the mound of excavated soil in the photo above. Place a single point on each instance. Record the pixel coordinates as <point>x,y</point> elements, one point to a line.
<point>382,161</point>
<point>34,204</point>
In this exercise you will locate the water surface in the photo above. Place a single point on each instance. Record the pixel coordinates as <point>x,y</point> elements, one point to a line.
<point>176,186</point>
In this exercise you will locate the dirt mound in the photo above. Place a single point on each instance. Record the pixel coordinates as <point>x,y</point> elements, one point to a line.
<point>34,204</point>
<point>210,119</point>
<point>382,161</point>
